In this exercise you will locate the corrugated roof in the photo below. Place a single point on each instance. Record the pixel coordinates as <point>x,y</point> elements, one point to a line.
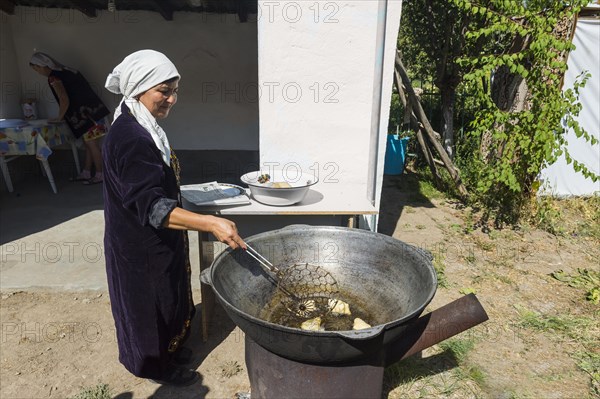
<point>166,8</point>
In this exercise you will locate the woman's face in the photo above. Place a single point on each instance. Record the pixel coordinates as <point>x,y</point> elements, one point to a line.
<point>42,70</point>
<point>160,98</point>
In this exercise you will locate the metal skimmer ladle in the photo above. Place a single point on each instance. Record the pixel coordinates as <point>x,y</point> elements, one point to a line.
<point>309,289</point>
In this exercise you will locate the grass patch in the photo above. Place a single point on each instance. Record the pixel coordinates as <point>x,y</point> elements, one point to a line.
<point>100,391</point>
<point>589,280</point>
<point>586,213</point>
<point>469,223</point>
<point>470,258</point>
<point>418,187</point>
<point>424,379</point>
<point>467,291</point>
<point>578,328</point>
<point>577,217</point>
<point>458,347</point>
<point>494,234</point>
<point>590,363</point>
<point>457,228</point>
<point>514,395</point>
<point>503,278</point>
<point>440,269</point>
<point>546,215</point>
<point>419,182</point>
<point>427,188</point>
<point>441,375</point>
<point>472,373</point>
<point>483,244</point>
<point>583,330</point>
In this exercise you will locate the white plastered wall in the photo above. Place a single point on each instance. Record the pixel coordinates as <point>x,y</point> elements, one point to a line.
<point>316,66</point>
<point>317,63</point>
<point>215,54</point>
<point>9,73</point>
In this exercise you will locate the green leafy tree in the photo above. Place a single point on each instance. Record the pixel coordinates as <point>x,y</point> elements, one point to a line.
<point>506,59</point>
<point>432,38</point>
<point>519,124</point>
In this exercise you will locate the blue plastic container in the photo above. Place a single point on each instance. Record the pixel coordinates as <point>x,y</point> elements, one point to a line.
<point>395,154</point>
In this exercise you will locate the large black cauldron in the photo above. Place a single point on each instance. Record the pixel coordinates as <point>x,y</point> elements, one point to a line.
<point>393,280</point>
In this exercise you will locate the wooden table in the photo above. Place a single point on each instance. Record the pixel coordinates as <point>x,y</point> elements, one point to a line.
<point>326,205</point>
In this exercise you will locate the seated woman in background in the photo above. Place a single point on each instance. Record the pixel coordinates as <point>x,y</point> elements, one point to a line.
<point>79,107</point>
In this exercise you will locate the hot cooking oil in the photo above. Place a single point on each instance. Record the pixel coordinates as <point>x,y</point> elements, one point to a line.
<point>276,312</point>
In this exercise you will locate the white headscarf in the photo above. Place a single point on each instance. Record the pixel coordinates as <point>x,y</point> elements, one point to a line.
<point>137,73</point>
<point>42,59</point>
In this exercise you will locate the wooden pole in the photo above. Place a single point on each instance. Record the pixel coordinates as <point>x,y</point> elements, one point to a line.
<point>414,123</point>
<point>420,114</point>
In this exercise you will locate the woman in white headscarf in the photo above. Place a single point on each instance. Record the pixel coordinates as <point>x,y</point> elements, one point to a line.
<point>146,246</point>
<point>79,107</point>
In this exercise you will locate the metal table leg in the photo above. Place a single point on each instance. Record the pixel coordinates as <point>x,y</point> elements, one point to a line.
<point>49,174</point>
<point>206,255</point>
<point>75,157</point>
<point>6,173</point>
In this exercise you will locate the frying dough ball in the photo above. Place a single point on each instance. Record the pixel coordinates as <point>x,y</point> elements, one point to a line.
<point>339,308</point>
<point>360,324</point>
<point>311,324</point>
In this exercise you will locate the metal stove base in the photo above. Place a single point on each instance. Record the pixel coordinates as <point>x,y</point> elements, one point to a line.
<point>275,377</point>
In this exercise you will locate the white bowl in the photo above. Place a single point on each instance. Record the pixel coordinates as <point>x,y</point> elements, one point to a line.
<point>265,193</point>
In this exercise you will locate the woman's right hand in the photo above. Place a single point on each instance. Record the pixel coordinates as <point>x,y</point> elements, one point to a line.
<point>226,231</point>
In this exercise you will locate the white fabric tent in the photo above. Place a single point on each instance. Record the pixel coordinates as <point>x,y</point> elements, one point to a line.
<point>560,179</point>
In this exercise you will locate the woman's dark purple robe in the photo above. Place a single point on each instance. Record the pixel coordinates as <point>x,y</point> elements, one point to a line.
<point>147,268</point>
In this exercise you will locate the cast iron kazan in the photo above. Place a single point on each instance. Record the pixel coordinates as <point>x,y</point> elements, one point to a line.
<point>393,280</point>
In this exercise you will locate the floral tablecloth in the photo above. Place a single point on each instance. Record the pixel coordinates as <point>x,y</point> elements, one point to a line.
<point>33,140</point>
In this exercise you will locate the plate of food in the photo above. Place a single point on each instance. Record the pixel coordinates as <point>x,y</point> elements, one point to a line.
<point>279,187</point>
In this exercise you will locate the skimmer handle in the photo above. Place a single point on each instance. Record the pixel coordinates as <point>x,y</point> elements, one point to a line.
<point>261,259</point>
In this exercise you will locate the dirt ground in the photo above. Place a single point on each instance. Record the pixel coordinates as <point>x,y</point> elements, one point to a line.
<point>55,343</point>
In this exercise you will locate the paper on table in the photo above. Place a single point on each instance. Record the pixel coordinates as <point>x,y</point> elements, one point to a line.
<point>214,194</point>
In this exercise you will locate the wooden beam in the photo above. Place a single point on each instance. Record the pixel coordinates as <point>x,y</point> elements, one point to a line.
<point>417,128</point>
<point>87,10</point>
<point>164,9</point>
<point>242,10</point>
<point>7,6</point>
